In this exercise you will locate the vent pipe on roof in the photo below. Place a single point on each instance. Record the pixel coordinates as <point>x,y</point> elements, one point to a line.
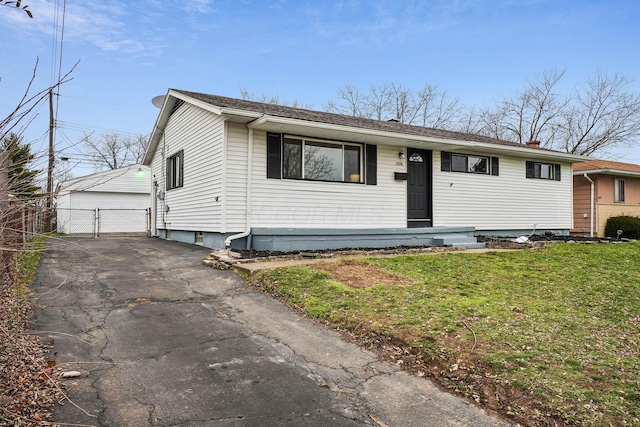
<point>533,143</point>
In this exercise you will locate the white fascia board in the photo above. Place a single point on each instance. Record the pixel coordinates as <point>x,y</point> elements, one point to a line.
<point>608,171</point>
<point>156,133</point>
<point>242,113</point>
<point>403,138</point>
<point>204,105</point>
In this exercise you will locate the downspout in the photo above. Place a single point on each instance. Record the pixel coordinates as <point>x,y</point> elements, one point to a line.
<point>247,230</point>
<point>592,203</point>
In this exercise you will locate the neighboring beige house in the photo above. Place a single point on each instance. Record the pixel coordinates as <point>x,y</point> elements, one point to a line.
<point>602,189</point>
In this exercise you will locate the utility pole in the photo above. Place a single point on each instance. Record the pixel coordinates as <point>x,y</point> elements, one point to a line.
<point>49,201</point>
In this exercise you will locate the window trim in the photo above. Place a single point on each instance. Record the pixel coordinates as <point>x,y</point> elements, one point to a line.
<point>618,190</point>
<point>446,163</point>
<point>175,173</point>
<point>308,141</point>
<point>275,158</point>
<point>533,170</point>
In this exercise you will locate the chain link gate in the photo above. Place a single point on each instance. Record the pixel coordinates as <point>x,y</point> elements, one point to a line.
<point>101,222</point>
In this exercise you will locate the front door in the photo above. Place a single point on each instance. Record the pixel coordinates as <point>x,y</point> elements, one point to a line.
<point>419,168</point>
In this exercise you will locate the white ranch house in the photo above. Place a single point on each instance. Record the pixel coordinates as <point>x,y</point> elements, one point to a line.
<point>231,172</point>
<point>113,201</point>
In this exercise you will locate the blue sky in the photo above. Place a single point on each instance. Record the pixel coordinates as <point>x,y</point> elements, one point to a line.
<point>129,52</point>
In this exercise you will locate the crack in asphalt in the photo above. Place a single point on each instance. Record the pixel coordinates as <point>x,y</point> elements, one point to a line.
<point>347,390</point>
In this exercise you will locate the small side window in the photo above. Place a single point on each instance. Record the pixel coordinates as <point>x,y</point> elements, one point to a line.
<point>618,190</point>
<point>175,170</point>
<point>467,163</point>
<point>538,170</point>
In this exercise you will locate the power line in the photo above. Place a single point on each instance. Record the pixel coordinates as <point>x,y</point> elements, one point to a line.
<point>83,127</point>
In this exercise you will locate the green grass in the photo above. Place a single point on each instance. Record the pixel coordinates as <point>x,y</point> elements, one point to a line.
<point>561,325</point>
<point>27,265</point>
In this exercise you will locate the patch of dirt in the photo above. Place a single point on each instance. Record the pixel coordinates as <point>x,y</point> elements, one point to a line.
<point>358,274</point>
<point>469,376</point>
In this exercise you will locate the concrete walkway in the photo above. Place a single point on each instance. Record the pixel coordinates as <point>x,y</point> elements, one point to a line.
<point>161,340</point>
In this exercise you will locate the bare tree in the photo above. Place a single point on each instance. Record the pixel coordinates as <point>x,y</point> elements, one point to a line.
<point>350,102</point>
<point>535,114</point>
<point>266,99</point>
<point>112,151</point>
<point>470,120</point>
<point>437,109</point>
<point>20,118</point>
<point>428,107</point>
<point>604,115</point>
<point>590,120</point>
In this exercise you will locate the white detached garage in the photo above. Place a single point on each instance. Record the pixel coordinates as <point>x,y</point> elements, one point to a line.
<point>114,201</point>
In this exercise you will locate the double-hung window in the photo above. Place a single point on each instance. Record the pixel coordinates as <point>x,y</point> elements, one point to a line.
<point>618,190</point>
<point>175,169</point>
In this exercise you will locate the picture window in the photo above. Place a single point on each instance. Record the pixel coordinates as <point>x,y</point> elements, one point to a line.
<point>318,160</point>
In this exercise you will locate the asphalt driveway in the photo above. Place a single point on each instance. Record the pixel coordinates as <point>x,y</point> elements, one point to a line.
<point>162,340</point>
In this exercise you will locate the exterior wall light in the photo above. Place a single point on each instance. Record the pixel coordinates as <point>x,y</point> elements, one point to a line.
<point>401,155</point>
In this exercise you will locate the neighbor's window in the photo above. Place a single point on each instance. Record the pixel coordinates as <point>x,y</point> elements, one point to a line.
<point>320,160</point>
<point>175,170</point>
<point>468,163</point>
<point>538,170</point>
<point>618,190</point>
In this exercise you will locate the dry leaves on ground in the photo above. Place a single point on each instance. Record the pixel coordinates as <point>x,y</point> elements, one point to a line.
<point>27,390</point>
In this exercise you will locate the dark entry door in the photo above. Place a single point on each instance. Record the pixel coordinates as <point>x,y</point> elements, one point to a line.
<point>419,207</point>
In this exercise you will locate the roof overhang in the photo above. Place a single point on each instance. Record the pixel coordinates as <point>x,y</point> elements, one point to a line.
<point>608,171</point>
<point>372,136</point>
<point>260,121</point>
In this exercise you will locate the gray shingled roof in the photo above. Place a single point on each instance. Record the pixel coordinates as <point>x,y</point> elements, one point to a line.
<point>339,119</point>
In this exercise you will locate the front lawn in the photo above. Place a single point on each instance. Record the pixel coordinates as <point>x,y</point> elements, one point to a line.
<point>545,336</point>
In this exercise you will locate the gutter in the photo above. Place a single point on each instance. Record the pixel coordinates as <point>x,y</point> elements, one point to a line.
<point>592,203</point>
<point>404,138</point>
<point>610,171</point>
<point>247,230</point>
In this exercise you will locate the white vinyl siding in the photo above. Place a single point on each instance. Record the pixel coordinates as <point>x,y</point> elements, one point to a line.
<point>236,179</point>
<point>123,188</point>
<point>192,207</point>
<point>282,203</point>
<point>120,212</point>
<point>507,201</point>
<point>130,179</point>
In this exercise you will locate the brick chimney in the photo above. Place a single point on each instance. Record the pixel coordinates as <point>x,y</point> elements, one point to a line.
<point>533,144</point>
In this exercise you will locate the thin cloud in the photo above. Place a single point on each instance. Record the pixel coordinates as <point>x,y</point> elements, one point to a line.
<point>198,6</point>
<point>103,24</point>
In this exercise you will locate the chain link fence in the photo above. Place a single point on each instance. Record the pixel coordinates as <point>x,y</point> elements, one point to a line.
<point>604,211</point>
<point>104,222</point>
